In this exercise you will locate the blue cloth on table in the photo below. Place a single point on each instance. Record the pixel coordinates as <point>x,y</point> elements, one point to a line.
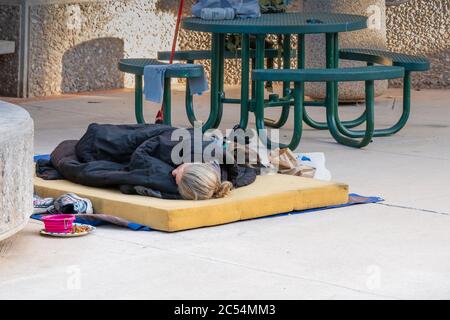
<point>242,8</point>
<point>217,14</point>
<point>154,77</point>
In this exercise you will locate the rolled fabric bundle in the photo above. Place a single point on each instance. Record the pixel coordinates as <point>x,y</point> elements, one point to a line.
<point>242,9</point>
<point>217,14</point>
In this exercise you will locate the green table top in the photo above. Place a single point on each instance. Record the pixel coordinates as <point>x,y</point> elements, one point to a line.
<point>281,23</point>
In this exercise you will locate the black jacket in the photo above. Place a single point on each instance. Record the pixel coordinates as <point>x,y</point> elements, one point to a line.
<point>135,158</point>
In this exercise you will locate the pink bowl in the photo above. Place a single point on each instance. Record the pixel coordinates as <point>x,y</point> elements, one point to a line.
<point>59,223</point>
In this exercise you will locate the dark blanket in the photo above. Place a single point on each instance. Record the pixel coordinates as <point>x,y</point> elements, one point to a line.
<point>134,158</point>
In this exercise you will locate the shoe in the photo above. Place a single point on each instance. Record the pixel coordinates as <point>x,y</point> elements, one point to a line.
<point>42,205</point>
<point>71,203</point>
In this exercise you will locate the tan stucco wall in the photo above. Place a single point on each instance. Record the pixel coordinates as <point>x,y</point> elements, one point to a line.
<point>372,37</point>
<point>422,27</point>
<point>75,46</point>
<point>9,63</point>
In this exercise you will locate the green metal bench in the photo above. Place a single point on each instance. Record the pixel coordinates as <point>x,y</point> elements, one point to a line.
<point>337,128</point>
<point>374,56</point>
<point>136,67</point>
<point>387,58</point>
<point>191,56</point>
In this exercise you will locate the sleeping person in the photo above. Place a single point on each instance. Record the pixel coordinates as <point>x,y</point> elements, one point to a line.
<point>137,159</point>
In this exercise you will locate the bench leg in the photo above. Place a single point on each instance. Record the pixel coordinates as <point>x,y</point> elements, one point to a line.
<point>167,102</point>
<point>190,105</point>
<point>406,109</point>
<point>189,101</point>
<point>324,126</point>
<point>298,119</point>
<point>334,63</point>
<point>138,103</point>
<point>336,126</point>
<point>396,127</point>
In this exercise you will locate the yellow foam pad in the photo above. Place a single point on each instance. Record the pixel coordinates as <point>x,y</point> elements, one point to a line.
<point>268,195</point>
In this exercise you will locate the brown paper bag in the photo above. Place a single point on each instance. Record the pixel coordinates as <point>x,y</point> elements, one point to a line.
<point>287,163</point>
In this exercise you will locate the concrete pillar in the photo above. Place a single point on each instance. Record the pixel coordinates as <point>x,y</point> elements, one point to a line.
<point>373,37</point>
<point>16,169</point>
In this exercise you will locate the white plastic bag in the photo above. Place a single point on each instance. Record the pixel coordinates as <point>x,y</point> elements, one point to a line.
<point>317,161</point>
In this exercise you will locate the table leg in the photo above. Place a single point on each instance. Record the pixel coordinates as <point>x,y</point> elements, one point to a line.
<point>301,57</point>
<point>301,65</point>
<point>329,64</point>
<point>245,79</point>
<point>330,91</point>
<point>253,88</point>
<point>259,91</point>
<point>286,85</point>
<point>215,72</point>
<point>286,61</point>
<point>221,66</point>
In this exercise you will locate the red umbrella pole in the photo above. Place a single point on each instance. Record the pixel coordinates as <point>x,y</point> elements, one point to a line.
<point>159,116</point>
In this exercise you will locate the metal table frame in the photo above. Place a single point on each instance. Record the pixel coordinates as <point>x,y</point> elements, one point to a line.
<point>286,24</point>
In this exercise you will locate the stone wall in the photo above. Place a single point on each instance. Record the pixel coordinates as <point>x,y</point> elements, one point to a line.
<point>372,37</point>
<point>9,63</point>
<point>76,47</point>
<point>16,168</point>
<point>422,27</point>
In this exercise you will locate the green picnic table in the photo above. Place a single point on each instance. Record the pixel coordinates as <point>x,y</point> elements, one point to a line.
<point>287,25</point>
<point>381,65</point>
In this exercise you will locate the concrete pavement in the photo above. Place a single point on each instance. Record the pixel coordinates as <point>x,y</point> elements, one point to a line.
<point>393,250</point>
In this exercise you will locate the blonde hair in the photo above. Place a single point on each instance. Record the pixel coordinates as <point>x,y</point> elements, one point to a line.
<point>200,181</point>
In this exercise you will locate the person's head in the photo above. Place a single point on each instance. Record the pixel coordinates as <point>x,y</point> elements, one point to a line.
<point>200,181</point>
